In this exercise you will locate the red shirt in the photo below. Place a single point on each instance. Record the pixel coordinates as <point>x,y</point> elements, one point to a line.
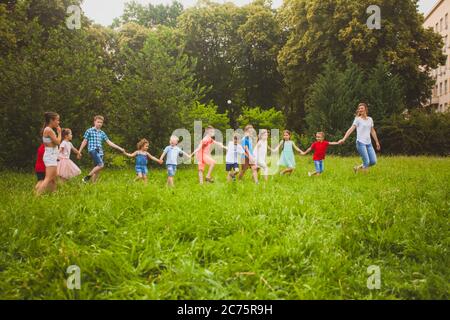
<point>320,149</point>
<point>40,166</point>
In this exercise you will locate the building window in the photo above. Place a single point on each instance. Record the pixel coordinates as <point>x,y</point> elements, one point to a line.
<point>445,87</point>
<point>441,24</point>
<point>446,21</point>
<point>445,107</point>
<point>440,89</point>
<point>440,108</point>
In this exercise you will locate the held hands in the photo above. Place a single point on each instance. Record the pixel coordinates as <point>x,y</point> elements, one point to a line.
<point>341,141</point>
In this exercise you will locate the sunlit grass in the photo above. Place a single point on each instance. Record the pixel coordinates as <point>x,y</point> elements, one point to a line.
<point>291,238</point>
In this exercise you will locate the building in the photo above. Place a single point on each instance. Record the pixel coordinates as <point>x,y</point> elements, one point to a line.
<point>438,19</point>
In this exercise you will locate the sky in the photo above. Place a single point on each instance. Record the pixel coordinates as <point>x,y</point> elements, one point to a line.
<point>104,11</point>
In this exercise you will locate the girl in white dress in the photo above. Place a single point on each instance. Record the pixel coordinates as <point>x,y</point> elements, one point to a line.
<point>261,153</point>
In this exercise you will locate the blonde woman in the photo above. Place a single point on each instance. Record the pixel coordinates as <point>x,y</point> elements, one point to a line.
<point>364,130</point>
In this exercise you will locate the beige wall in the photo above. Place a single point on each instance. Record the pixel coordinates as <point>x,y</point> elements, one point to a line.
<point>439,19</point>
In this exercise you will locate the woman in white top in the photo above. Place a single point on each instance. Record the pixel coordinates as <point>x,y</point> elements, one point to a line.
<point>364,129</point>
<point>51,142</point>
<point>261,153</point>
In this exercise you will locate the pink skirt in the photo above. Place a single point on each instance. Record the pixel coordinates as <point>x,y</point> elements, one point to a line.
<point>67,168</point>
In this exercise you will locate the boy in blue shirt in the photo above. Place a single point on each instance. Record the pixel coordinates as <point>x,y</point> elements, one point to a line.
<point>94,138</point>
<point>172,152</point>
<point>249,160</point>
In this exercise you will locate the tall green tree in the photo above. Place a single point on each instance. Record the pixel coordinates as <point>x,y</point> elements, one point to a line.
<point>319,29</point>
<point>150,15</point>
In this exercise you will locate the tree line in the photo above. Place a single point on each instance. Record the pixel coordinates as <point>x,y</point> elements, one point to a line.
<point>303,66</point>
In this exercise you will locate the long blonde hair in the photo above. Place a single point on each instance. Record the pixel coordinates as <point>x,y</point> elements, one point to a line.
<point>365,107</point>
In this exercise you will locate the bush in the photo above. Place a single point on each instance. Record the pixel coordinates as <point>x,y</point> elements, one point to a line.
<point>417,133</point>
<point>262,119</point>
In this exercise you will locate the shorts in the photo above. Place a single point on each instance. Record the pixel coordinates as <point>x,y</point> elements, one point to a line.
<point>51,157</point>
<point>97,157</point>
<point>40,176</point>
<point>232,167</point>
<point>142,170</point>
<point>171,169</point>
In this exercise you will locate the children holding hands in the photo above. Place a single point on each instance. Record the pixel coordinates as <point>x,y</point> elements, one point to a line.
<point>94,138</point>
<point>142,155</point>
<point>320,149</point>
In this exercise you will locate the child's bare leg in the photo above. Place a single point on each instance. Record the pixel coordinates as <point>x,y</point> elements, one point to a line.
<point>170,181</point>
<point>255,174</point>
<point>243,169</point>
<point>230,176</point>
<point>200,176</point>
<point>144,177</point>
<point>211,167</point>
<point>50,176</point>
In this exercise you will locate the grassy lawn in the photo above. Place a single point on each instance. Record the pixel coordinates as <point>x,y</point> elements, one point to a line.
<point>291,238</point>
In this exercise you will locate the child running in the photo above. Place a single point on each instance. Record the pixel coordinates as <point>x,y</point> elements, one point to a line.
<point>142,155</point>
<point>203,152</point>
<point>320,149</point>
<point>39,167</point>
<point>234,150</point>
<point>94,138</point>
<point>287,158</point>
<point>172,152</point>
<point>67,169</point>
<point>249,159</point>
<point>261,153</point>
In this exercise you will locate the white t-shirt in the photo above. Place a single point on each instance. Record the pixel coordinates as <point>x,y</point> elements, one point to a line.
<point>261,152</point>
<point>363,128</point>
<point>64,149</point>
<point>233,152</point>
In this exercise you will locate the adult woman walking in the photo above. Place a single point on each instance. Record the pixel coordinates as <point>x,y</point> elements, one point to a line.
<point>364,129</point>
<point>51,142</point>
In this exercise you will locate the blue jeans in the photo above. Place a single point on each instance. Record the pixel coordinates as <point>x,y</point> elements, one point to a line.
<point>367,153</point>
<point>319,165</point>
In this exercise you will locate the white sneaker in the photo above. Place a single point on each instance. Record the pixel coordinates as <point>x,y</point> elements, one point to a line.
<point>310,174</point>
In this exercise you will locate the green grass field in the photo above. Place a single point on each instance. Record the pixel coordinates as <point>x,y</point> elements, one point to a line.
<point>291,238</point>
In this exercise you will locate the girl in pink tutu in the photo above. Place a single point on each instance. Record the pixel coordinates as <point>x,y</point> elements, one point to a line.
<point>67,168</point>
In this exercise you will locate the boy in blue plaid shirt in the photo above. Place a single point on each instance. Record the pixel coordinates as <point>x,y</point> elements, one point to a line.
<point>94,138</point>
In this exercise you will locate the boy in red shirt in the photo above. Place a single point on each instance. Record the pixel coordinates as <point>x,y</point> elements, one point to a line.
<point>320,149</point>
<point>39,167</point>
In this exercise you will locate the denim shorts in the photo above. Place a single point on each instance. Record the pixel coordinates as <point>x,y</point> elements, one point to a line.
<point>171,170</point>
<point>142,170</point>
<point>97,157</point>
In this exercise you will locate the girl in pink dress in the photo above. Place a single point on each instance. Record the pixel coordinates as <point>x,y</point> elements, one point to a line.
<point>203,152</point>
<point>67,168</point>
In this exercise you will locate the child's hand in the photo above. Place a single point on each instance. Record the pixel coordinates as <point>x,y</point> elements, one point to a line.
<point>160,161</point>
<point>79,156</point>
<point>341,141</point>
<point>58,129</point>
